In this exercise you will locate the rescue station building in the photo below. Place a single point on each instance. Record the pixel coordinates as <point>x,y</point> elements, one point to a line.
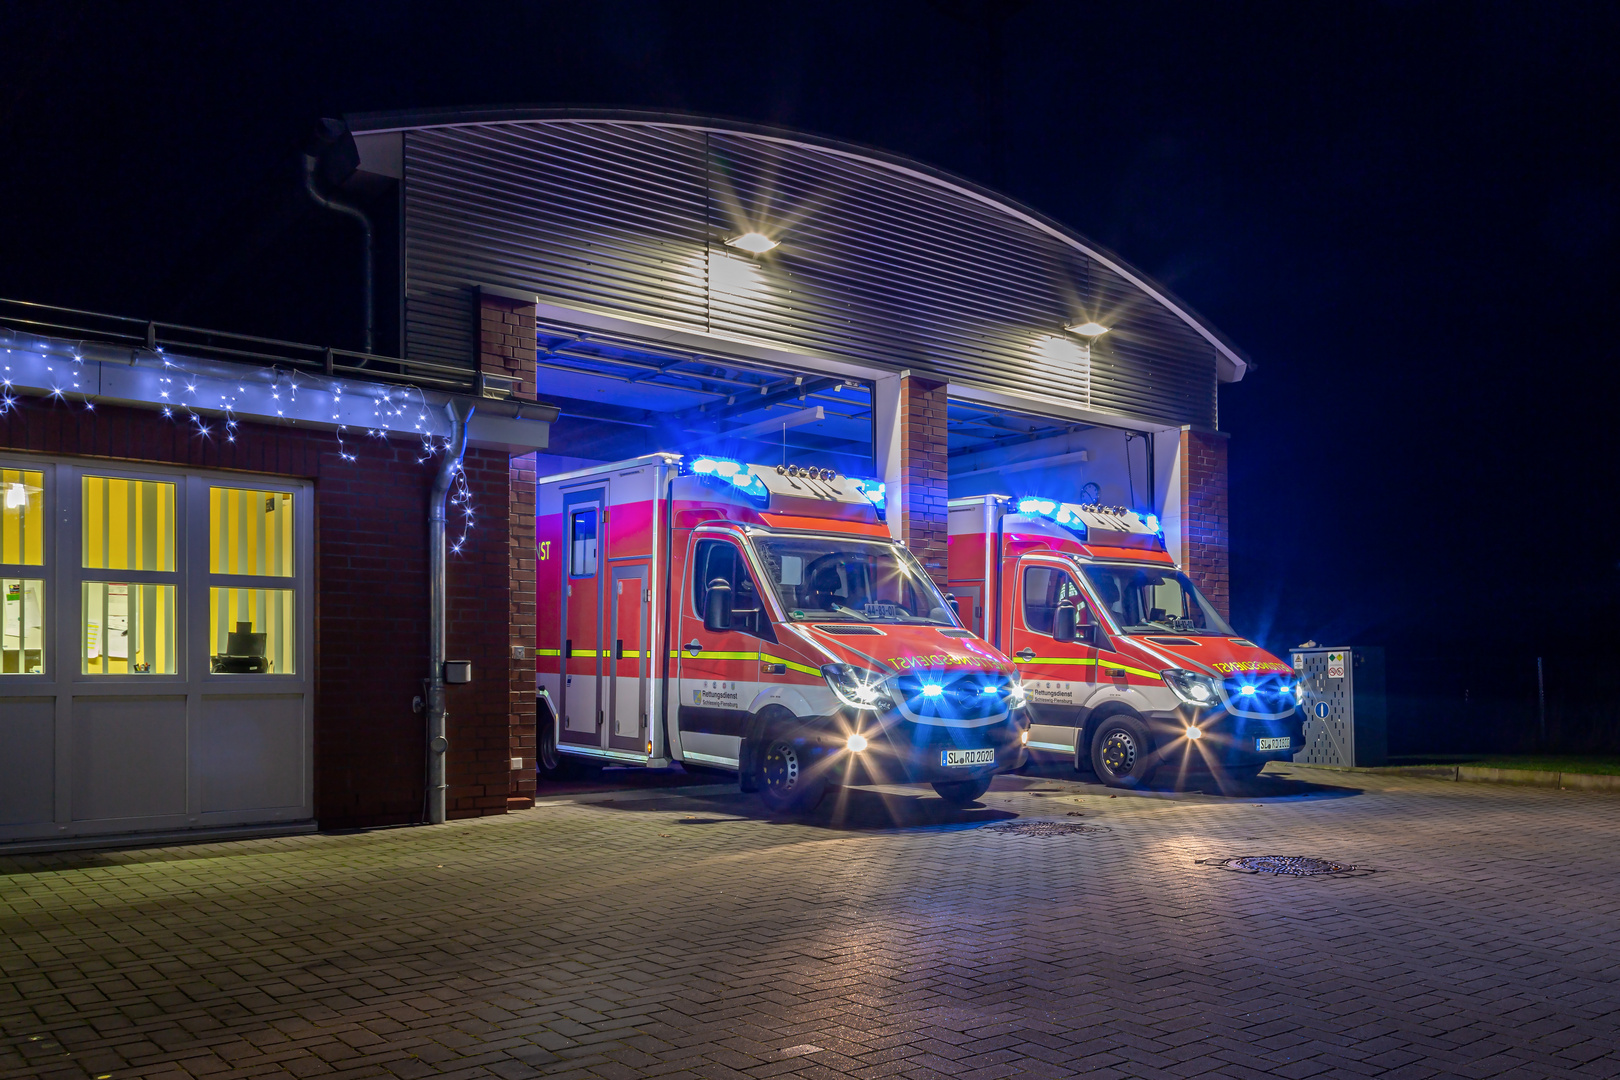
<point>223,610</point>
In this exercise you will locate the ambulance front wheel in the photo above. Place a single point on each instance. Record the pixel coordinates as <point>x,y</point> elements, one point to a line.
<point>1121,753</point>
<point>785,782</point>
<point>962,792</point>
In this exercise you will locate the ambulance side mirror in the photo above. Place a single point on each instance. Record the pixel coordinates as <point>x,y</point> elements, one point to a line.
<point>1065,622</point>
<point>717,607</point>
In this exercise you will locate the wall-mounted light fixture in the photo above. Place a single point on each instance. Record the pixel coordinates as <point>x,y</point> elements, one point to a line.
<point>1091,328</point>
<point>752,242</point>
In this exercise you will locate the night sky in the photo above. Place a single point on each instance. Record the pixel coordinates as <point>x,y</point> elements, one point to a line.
<point>1405,213</point>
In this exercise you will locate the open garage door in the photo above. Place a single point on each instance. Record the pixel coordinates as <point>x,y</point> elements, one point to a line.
<point>994,450</point>
<point>621,398</point>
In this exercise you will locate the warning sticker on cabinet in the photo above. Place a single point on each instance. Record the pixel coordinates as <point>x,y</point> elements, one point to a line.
<point>1335,665</point>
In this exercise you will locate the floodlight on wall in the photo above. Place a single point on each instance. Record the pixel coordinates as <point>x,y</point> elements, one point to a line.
<point>752,242</point>
<point>1088,329</point>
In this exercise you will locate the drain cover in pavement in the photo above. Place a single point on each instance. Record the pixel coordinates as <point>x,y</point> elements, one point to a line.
<point>1045,828</point>
<point>1286,865</point>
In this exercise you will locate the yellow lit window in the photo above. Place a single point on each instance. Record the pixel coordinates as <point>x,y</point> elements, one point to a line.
<point>22,626</point>
<point>129,629</point>
<point>250,631</point>
<point>22,517</point>
<point>128,524</point>
<point>250,532</point>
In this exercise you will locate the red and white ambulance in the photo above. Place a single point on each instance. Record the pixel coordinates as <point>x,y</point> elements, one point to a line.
<point>1126,665</point>
<point>757,619</point>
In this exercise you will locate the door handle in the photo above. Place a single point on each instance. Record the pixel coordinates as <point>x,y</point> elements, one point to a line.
<point>618,649</point>
<point>1026,653</point>
<point>694,646</point>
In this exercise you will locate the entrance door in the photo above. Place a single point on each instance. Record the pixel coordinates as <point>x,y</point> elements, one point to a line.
<point>719,672</point>
<point>1054,673</point>
<point>583,616</point>
<point>630,658</point>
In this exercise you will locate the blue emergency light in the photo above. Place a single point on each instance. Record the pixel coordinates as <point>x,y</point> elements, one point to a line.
<point>735,473</point>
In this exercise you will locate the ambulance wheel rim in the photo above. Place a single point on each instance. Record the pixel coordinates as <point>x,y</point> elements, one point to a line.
<point>781,766</point>
<point>1119,752</point>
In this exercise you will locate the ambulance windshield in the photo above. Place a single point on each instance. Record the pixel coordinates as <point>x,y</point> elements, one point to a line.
<point>838,579</point>
<point>1147,600</point>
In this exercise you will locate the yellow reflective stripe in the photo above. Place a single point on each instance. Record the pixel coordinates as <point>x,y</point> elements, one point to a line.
<point>1085,662</point>
<point>1075,660</point>
<point>789,664</point>
<point>548,652</point>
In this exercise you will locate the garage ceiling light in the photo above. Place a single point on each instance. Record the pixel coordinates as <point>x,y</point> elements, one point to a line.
<point>752,242</point>
<point>1091,328</point>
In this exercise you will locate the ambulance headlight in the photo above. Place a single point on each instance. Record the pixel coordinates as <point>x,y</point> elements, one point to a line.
<point>1015,695</point>
<point>856,687</point>
<point>1299,693</point>
<point>1191,687</point>
<point>856,743</point>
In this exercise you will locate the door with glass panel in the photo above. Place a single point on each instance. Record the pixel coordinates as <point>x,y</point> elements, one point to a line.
<point>584,532</point>
<point>154,629</point>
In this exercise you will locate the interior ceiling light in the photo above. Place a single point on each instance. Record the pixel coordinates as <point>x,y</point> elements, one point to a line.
<point>1091,328</point>
<point>752,242</point>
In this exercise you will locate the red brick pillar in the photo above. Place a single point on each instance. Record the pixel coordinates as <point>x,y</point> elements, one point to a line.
<point>506,336</point>
<point>1206,543</point>
<point>520,513</point>
<point>924,475</point>
<point>506,348</point>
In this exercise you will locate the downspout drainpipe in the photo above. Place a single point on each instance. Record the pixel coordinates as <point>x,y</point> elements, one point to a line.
<point>460,412</point>
<point>366,269</point>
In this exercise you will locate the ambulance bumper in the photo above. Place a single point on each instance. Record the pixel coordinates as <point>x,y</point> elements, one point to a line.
<point>1225,738</point>
<point>903,751</point>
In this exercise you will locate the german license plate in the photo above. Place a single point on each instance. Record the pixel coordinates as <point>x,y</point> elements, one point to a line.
<point>953,758</point>
<point>1272,744</point>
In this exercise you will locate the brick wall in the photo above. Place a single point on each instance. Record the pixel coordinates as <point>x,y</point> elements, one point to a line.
<point>1206,540</point>
<point>923,472</point>
<point>521,571</point>
<point>506,341</point>
<point>371,617</point>
<point>506,346</point>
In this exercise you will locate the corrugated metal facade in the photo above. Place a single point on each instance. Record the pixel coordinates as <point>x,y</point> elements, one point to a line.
<point>879,266</point>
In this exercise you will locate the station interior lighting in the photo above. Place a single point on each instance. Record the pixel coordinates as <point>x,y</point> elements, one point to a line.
<point>752,242</point>
<point>1091,328</point>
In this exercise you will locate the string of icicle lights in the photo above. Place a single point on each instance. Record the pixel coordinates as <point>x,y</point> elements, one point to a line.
<point>180,402</point>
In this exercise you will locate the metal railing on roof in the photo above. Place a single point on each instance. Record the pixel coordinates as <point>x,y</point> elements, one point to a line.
<point>46,320</point>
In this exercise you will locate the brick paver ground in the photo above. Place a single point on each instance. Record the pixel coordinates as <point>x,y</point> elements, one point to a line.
<point>658,933</point>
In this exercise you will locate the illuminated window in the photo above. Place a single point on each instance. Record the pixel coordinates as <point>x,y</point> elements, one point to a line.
<point>128,524</point>
<point>251,625</point>
<point>22,595</point>
<point>22,517</point>
<point>22,626</point>
<point>129,629</point>
<point>250,631</point>
<point>250,532</point>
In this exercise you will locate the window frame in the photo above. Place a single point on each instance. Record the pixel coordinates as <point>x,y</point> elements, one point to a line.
<point>45,571</point>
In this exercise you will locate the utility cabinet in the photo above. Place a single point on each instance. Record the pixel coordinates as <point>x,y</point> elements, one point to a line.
<point>1345,714</point>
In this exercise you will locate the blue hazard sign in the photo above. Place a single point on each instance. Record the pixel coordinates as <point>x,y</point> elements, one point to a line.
<point>1321,710</point>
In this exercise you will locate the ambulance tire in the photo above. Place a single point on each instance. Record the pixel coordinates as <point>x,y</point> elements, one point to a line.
<point>962,792</point>
<point>1121,752</point>
<point>785,783</point>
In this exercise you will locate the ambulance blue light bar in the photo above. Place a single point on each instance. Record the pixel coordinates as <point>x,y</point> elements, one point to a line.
<point>874,491</point>
<point>727,471</point>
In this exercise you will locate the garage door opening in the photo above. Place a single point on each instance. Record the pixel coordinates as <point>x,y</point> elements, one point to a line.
<point>993,450</point>
<point>620,398</point>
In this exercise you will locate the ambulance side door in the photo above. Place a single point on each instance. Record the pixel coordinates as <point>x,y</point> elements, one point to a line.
<point>1054,672</point>
<point>583,610</point>
<point>719,671</point>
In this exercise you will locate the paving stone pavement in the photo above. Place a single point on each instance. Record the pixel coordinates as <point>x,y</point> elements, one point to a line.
<point>685,934</point>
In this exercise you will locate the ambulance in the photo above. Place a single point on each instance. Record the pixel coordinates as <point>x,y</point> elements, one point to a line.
<point>759,620</point>
<point>1127,667</point>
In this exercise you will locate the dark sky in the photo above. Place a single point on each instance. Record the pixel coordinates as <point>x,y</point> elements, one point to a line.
<point>1404,212</point>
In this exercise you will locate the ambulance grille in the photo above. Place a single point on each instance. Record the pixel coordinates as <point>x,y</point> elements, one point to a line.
<point>961,696</point>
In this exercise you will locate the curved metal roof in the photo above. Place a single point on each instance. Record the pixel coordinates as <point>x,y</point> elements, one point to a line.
<point>885,261</point>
